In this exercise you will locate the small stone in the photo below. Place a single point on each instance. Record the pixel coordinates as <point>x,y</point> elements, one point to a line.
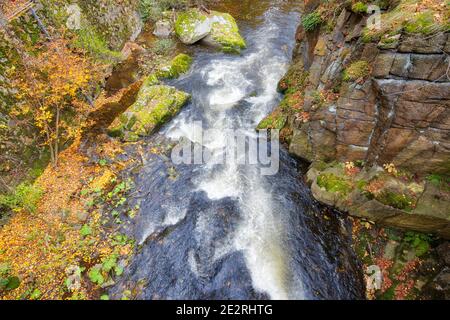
<point>163,29</point>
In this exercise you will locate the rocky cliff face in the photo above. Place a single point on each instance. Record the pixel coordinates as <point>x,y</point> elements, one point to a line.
<point>116,21</point>
<point>355,104</point>
<point>395,112</point>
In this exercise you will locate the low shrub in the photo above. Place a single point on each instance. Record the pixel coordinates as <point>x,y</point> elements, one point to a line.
<point>26,196</point>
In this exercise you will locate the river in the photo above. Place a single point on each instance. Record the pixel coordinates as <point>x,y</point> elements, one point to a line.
<point>225,231</point>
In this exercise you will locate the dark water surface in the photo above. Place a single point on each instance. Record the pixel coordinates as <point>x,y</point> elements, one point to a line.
<point>226,231</point>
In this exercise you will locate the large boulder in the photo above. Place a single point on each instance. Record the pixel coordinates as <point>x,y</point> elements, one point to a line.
<point>225,33</point>
<point>155,105</point>
<point>383,198</point>
<point>192,26</point>
<point>216,28</point>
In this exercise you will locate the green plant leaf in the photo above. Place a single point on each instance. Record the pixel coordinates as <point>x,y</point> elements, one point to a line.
<point>95,275</point>
<point>85,230</point>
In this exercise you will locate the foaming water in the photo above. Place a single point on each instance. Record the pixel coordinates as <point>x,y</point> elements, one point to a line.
<point>224,231</point>
<point>248,82</point>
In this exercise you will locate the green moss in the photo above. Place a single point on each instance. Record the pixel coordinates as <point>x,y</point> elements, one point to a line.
<point>333,183</point>
<point>275,120</point>
<point>359,7</point>
<point>89,40</point>
<point>361,184</point>
<point>439,181</point>
<point>26,196</point>
<point>225,32</point>
<point>357,70</point>
<point>150,81</point>
<point>179,65</point>
<point>155,105</point>
<point>295,78</point>
<point>312,21</point>
<point>186,23</point>
<point>163,46</point>
<point>422,23</point>
<point>418,241</point>
<point>399,201</point>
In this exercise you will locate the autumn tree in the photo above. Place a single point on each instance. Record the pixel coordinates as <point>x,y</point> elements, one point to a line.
<point>50,90</point>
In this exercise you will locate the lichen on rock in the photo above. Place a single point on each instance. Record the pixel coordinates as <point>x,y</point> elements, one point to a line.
<point>155,105</point>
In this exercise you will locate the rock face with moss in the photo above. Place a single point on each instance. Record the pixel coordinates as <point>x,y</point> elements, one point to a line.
<point>155,105</point>
<point>382,96</point>
<point>394,200</point>
<point>104,24</point>
<point>377,96</point>
<point>215,28</point>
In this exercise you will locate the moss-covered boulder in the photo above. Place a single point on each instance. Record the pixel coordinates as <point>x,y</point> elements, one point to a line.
<point>217,29</point>
<point>192,26</point>
<point>179,65</point>
<point>155,105</point>
<point>225,33</point>
<point>393,199</point>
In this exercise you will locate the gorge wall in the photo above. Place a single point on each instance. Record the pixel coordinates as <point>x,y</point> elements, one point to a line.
<point>371,113</point>
<point>398,112</point>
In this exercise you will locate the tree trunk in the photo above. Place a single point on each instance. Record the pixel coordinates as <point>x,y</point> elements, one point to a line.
<point>56,149</point>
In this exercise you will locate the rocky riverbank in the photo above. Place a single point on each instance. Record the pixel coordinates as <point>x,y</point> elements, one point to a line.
<point>368,108</point>
<point>62,234</point>
<point>378,104</point>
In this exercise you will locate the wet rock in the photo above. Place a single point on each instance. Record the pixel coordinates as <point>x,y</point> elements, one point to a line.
<point>107,110</point>
<point>130,49</point>
<point>155,105</point>
<point>320,48</point>
<point>434,202</point>
<point>300,145</point>
<point>331,185</point>
<point>439,287</point>
<point>444,252</point>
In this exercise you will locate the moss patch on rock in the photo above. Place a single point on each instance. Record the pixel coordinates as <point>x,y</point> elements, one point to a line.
<point>155,105</point>
<point>192,26</point>
<point>179,65</point>
<point>275,120</point>
<point>225,33</point>
<point>334,183</point>
<point>357,70</point>
<point>359,7</point>
<point>312,21</point>
<point>396,200</point>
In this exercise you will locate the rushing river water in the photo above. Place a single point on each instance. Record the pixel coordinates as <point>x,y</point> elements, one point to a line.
<point>226,231</point>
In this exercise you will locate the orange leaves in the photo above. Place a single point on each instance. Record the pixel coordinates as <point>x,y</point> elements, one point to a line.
<point>375,186</point>
<point>51,84</point>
